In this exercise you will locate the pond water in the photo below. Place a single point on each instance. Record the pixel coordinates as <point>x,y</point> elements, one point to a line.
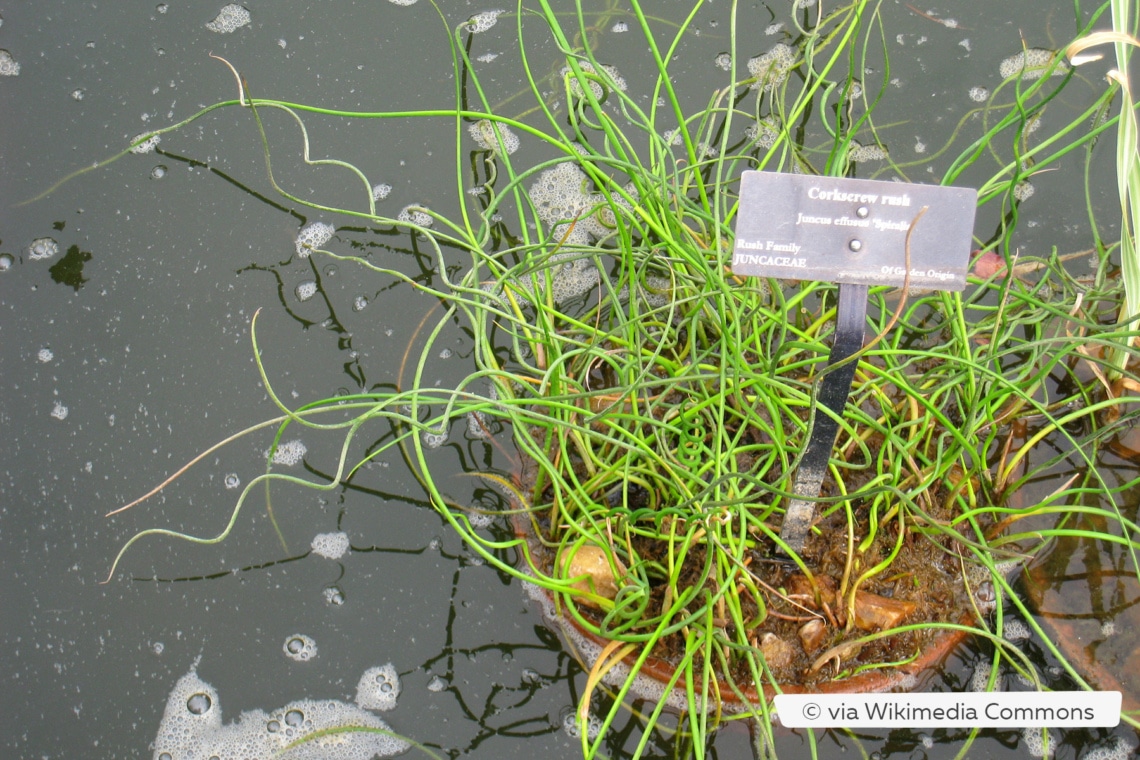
<point>125,352</point>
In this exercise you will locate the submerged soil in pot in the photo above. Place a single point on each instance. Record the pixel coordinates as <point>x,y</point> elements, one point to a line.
<point>806,629</point>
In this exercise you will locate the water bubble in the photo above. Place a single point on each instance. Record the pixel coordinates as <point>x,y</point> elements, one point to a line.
<point>42,248</point>
<point>78,94</point>
<point>158,172</point>
<point>481,22</point>
<point>379,688</point>
<point>330,545</point>
<point>9,67</point>
<point>724,61</point>
<point>161,8</point>
<point>334,596</point>
<point>359,303</point>
<point>433,440</point>
<point>381,191</point>
<point>570,725</point>
<point>306,290</point>
<point>45,355</point>
<point>531,676</point>
<point>620,27</point>
<point>146,146</point>
<point>1034,739</point>
<point>608,74</point>
<point>232,480</point>
<point>7,260</point>
<point>445,353</point>
<point>165,756</point>
<point>299,647</point>
<point>273,726</point>
<point>771,69</point>
<point>765,132</point>
<point>158,647</point>
<point>59,411</point>
<point>416,214</point>
<point>289,453</point>
<point>1024,190</point>
<point>294,718</point>
<point>488,134</point>
<point>1031,64</point>
<point>1108,628</point>
<point>436,684</point>
<point>229,19</point>
<point>1015,630</point>
<point>860,153</point>
<point>800,5</point>
<point>403,2</point>
<point>773,28</point>
<point>313,236</point>
<point>199,704</point>
<point>979,94</point>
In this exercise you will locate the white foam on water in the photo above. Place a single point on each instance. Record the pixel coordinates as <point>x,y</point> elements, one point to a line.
<point>484,132</point>
<point>979,94</point>
<point>415,214</point>
<point>1031,64</point>
<point>379,688</point>
<point>1034,741</point>
<point>1121,749</point>
<point>306,290</point>
<point>608,74</point>
<point>59,411</point>
<point>862,153</point>
<point>403,2</point>
<point>1015,630</point>
<point>9,66</point>
<point>289,453</point>
<point>42,249</point>
<point>313,236</point>
<point>299,647</point>
<point>771,68</point>
<point>381,191</point>
<point>330,545</point>
<point>1024,190</point>
<point>232,480</point>
<point>192,729</point>
<point>45,355</point>
<point>229,19</point>
<point>481,22</point>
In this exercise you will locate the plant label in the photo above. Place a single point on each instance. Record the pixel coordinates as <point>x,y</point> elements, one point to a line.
<point>800,227</point>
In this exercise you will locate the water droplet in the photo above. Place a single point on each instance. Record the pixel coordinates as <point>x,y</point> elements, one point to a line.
<point>199,704</point>
<point>158,172</point>
<point>6,261</point>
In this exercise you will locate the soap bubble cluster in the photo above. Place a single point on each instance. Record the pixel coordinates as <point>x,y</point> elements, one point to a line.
<point>433,440</point>
<point>416,214</point>
<point>859,152</point>
<point>289,453</point>
<point>42,248</point>
<point>45,355</point>
<point>979,94</point>
<point>723,61</point>
<point>381,191</point>
<point>484,132</point>
<point>330,545</point>
<point>771,68</point>
<point>9,66</point>
<point>764,132</point>
<point>560,197</point>
<point>229,19</point>
<point>481,22</point>
<point>1015,630</point>
<point>570,726</point>
<point>299,647</point>
<point>608,74</point>
<point>1031,64</point>
<point>192,728</point>
<point>1023,191</point>
<point>146,146</point>
<point>379,688</point>
<point>1034,739</point>
<point>313,236</point>
<point>306,290</point>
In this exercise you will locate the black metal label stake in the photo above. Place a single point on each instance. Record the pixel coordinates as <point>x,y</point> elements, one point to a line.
<point>852,232</point>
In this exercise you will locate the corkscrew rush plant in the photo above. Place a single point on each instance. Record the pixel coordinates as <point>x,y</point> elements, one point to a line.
<point>649,407</point>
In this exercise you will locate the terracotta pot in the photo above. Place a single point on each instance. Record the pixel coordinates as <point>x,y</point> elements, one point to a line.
<point>587,647</point>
